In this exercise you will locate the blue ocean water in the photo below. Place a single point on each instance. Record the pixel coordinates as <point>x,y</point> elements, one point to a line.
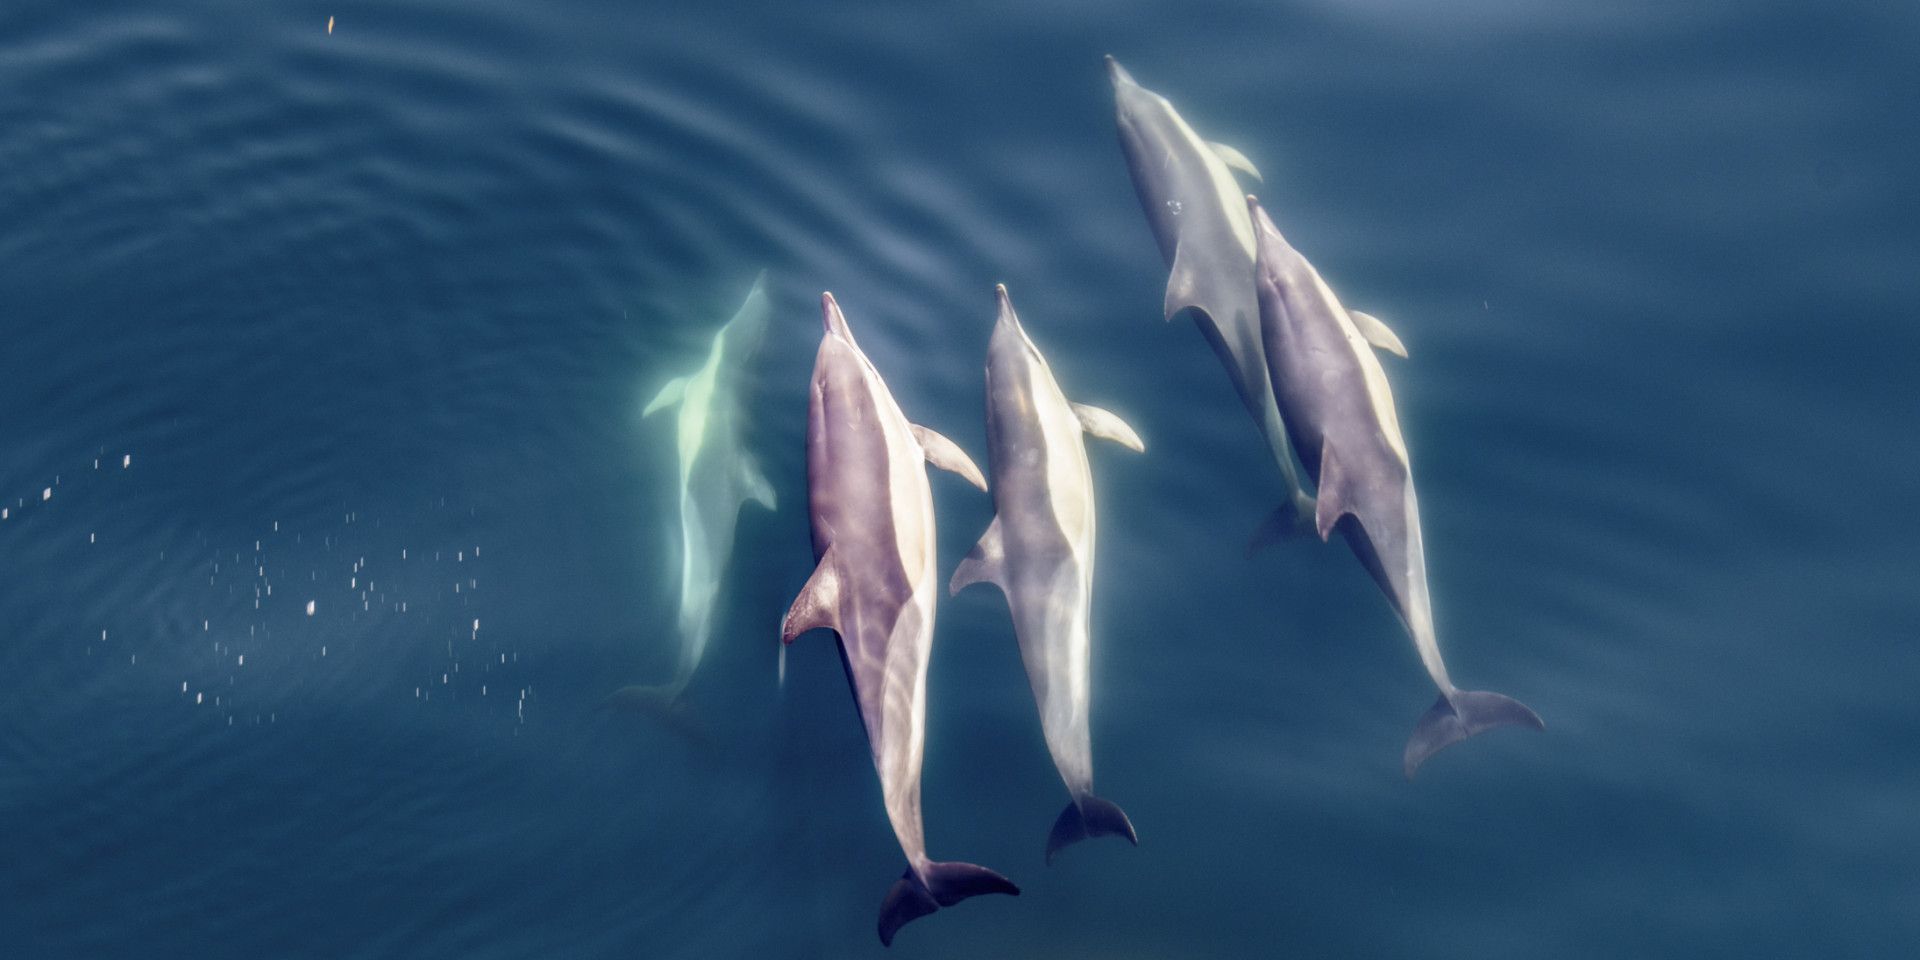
<point>331,518</point>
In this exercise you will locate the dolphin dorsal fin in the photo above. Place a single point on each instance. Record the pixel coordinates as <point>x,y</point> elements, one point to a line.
<point>1106,426</point>
<point>818,605</point>
<point>1377,333</point>
<point>947,455</point>
<point>1182,283</point>
<point>1331,496</point>
<point>1236,160</point>
<point>753,483</point>
<point>667,397</point>
<point>983,564</point>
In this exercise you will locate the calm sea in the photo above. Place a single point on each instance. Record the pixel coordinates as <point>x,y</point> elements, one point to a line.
<point>330,516</point>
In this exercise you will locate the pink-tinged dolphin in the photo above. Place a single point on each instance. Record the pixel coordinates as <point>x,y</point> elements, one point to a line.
<point>875,586</point>
<point>1341,417</point>
<point>1039,551</point>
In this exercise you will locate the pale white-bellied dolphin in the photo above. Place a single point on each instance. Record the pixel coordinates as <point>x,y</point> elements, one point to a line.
<point>1341,415</point>
<point>717,476</point>
<point>1198,216</point>
<point>875,586</point>
<point>1039,552</point>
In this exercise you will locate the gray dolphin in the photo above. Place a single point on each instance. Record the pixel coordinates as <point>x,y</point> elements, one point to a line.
<point>875,586</point>
<point>1039,552</point>
<point>1198,216</point>
<point>1342,418</point>
<point>717,475</point>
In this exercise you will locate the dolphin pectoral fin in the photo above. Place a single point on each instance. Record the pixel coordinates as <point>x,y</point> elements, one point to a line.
<point>1465,713</point>
<point>1106,426</point>
<point>947,884</point>
<point>1090,816</point>
<point>754,485</point>
<point>1236,160</point>
<point>667,397</point>
<point>1377,333</point>
<point>1330,500</point>
<point>947,455</point>
<point>818,605</point>
<point>983,564</point>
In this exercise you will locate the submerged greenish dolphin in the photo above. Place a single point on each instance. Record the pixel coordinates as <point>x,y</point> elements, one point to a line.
<point>1199,218</point>
<point>1039,551</point>
<point>1341,414</point>
<point>717,476</point>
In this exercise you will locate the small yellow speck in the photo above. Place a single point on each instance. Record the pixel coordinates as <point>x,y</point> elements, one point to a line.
<point>329,25</point>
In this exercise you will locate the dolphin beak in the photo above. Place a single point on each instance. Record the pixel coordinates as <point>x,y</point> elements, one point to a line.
<point>1263,227</point>
<point>832,319</point>
<point>1117,73</point>
<point>1007,316</point>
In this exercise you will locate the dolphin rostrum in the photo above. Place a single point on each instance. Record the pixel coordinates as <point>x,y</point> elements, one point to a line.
<point>717,475</point>
<point>1039,552</point>
<point>1198,216</point>
<point>875,586</point>
<point>1341,416</point>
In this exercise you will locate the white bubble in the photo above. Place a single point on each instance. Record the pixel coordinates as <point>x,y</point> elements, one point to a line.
<point>309,608</point>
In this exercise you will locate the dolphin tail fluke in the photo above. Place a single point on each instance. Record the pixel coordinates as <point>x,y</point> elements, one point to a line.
<point>906,902</point>
<point>1462,715</point>
<point>1089,816</point>
<point>947,884</point>
<point>663,698</point>
<point>662,704</point>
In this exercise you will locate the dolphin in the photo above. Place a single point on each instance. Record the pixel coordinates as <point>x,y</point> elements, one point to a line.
<point>1341,416</point>
<point>1039,551</point>
<point>875,585</point>
<point>717,476</point>
<point>1192,202</point>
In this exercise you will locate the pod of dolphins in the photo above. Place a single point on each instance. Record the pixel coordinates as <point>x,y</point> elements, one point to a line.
<point>1303,365</point>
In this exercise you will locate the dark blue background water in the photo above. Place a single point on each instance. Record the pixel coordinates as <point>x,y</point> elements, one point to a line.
<point>373,314</point>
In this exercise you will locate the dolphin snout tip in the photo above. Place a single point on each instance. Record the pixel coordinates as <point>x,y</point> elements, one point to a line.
<point>1117,73</point>
<point>830,317</point>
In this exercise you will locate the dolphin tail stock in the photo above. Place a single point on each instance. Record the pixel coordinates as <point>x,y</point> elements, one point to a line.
<point>1088,816</point>
<point>947,883</point>
<point>1462,714</point>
